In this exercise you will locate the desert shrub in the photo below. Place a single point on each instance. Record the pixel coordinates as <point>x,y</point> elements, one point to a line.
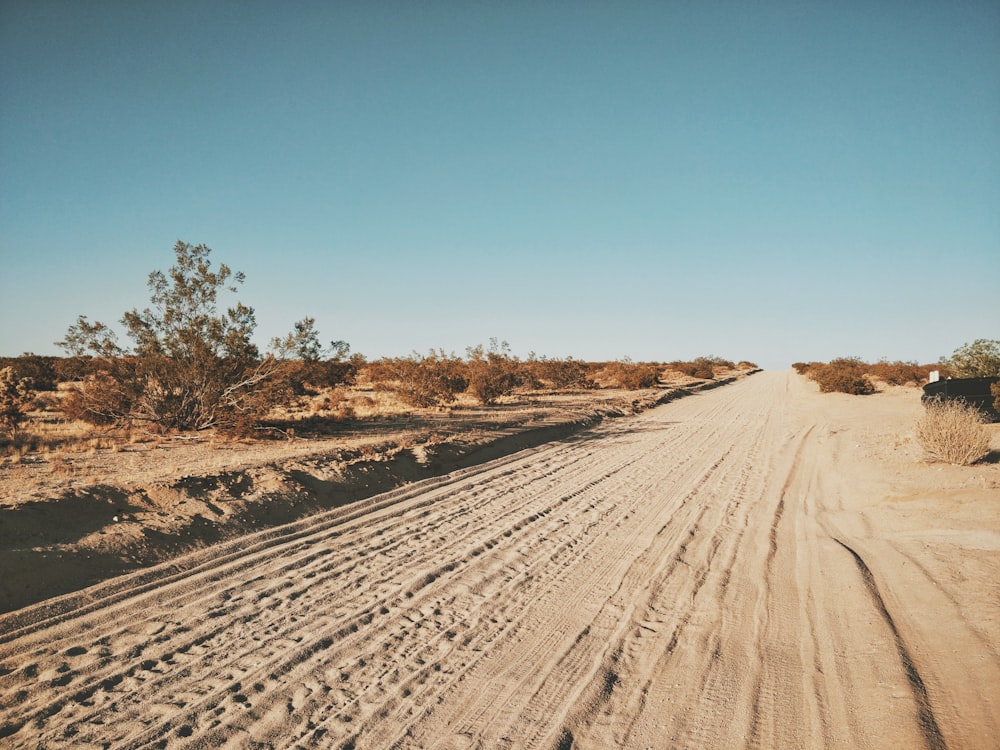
<point>560,374</point>
<point>681,366</point>
<point>900,373</point>
<point>980,359</point>
<point>47,401</point>
<point>337,371</point>
<point>420,381</point>
<point>843,375</point>
<point>854,375</point>
<point>721,362</point>
<point>995,391</point>
<point>38,370</point>
<point>493,372</point>
<point>190,367</point>
<point>953,431</point>
<point>632,376</point>
<point>102,398</point>
<point>745,365</point>
<point>312,367</point>
<point>702,368</point>
<point>16,395</point>
<point>74,368</point>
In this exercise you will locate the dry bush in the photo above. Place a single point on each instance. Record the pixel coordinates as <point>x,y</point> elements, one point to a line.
<point>853,375</point>
<point>60,466</point>
<point>995,390</point>
<point>493,372</point>
<point>702,368</point>
<point>344,412</point>
<point>953,431</point>
<point>560,374</point>
<point>632,376</point>
<point>843,375</point>
<point>901,373</point>
<point>980,359</point>
<point>330,400</point>
<point>73,368</point>
<point>309,375</point>
<point>39,371</point>
<point>420,381</point>
<point>47,401</point>
<point>335,404</point>
<point>15,397</point>
<point>98,399</point>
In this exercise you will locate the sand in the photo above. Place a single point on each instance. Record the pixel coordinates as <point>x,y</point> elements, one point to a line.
<point>757,566</point>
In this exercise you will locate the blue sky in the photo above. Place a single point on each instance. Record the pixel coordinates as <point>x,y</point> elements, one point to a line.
<point>770,181</point>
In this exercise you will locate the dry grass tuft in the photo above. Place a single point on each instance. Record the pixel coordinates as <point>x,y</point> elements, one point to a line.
<point>953,432</point>
<point>60,466</point>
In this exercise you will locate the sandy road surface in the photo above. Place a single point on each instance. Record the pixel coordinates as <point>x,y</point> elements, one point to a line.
<point>707,574</point>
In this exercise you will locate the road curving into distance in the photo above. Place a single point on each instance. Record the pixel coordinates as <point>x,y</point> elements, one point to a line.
<point>669,580</point>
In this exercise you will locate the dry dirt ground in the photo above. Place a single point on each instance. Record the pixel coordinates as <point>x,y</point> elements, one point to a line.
<point>758,565</point>
<point>103,506</point>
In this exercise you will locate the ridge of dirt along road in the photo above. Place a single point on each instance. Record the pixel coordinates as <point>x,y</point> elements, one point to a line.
<point>695,576</point>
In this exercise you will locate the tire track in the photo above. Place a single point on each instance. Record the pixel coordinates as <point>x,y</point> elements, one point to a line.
<point>704,562</point>
<point>928,724</point>
<point>202,638</point>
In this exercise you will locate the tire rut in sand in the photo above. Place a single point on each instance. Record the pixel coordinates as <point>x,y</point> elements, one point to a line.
<point>928,724</point>
<point>258,608</point>
<point>700,562</point>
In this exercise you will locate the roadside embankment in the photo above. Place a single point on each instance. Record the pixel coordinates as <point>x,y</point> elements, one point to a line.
<point>89,533</point>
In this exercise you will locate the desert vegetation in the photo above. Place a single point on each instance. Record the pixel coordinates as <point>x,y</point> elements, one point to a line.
<point>953,432</point>
<point>489,374</point>
<point>420,381</point>
<point>705,368</point>
<point>191,366</point>
<point>15,395</point>
<point>980,359</point>
<point>854,376</point>
<point>493,372</point>
<point>76,400</point>
<point>81,404</point>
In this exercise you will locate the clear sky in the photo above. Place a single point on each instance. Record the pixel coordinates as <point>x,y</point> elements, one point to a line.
<point>773,181</point>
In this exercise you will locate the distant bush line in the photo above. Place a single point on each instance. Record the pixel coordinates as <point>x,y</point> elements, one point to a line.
<point>855,376</point>
<point>191,364</point>
<point>487,374</point>
<point>980,359</point>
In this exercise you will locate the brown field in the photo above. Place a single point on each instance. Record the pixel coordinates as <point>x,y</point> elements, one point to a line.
<point>756,565</point>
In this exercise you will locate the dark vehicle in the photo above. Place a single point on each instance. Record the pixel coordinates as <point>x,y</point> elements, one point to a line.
<point>974,391</point>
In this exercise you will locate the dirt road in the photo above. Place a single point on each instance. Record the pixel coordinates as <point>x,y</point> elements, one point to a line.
<point>723,571</point>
